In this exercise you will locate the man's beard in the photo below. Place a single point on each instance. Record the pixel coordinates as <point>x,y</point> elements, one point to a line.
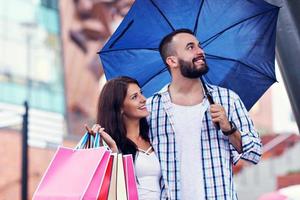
<point>189,70</point>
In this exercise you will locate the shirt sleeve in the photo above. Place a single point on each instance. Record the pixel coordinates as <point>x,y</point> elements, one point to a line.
<point>149,107</point>
<point>251,143</point>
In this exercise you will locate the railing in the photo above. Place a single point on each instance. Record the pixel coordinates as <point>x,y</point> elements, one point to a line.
<point>262,178</point>
<point>276,141</point>
<point>46,129</point>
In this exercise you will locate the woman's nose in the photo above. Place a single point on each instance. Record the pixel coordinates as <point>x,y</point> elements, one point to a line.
<point>143,98</point>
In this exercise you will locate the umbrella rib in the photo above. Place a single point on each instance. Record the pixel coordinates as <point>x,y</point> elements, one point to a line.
<point>212,38</point>
<point>127,49</point>
<point>231,59</point>
<point>123,32</point>
<point>198,14</point>
<point>162,14</point>
<point>161,71</point>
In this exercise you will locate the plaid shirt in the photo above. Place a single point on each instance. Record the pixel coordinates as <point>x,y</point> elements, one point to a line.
<point>217,153</point>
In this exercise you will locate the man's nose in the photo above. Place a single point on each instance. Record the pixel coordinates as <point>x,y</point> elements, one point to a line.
<point>200,51</point>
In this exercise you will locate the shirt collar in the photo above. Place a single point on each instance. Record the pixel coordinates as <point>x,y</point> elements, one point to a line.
<point>164,90</point>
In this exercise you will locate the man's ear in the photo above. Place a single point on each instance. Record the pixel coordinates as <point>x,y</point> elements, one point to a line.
<point>171,61</point>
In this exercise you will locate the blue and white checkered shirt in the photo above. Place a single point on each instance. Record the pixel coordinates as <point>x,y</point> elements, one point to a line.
<point>217,153</point>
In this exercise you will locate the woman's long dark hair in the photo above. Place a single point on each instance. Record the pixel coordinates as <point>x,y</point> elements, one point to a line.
<point>109,115</point>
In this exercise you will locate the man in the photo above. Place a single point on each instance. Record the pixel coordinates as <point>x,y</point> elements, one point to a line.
<point>196,157</point>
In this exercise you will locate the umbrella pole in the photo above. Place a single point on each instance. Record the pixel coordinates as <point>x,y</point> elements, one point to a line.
<point>210,99</point>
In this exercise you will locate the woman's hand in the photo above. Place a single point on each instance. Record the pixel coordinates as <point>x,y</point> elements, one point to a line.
<point>105,136</point>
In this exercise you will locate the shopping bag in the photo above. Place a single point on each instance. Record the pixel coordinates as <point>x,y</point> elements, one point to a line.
<point>104,191</point>
<point>130,178</point>
<point>112,194</point>
<point>121,185</point>
<point>120,177</point>
<point>98,188</point>
<point>76,174</point>
<point>123,182</point>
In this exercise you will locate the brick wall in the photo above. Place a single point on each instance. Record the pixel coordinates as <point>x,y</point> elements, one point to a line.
<point>10,165</point>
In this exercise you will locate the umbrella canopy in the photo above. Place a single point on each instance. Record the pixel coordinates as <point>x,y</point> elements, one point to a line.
<point>238,37</point>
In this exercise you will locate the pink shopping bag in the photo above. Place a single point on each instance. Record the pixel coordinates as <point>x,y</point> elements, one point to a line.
<point>106,181</point>
<point>75,174</point>
<point>131,186</point>
<point>122,182</point>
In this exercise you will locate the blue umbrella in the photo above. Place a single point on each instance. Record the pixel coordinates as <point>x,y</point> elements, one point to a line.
<point>238,37</point>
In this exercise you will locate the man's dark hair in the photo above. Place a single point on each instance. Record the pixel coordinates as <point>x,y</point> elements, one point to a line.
<point>165,47</point>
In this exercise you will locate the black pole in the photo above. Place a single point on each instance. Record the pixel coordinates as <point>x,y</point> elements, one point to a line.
<point>288,50</point>
<point>29,28</point>
<point>25,153</point>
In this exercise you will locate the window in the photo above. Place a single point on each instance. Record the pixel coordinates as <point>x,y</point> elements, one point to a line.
<point>52,4</point>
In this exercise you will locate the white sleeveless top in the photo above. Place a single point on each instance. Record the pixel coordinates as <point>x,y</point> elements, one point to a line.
<point>147,169</point>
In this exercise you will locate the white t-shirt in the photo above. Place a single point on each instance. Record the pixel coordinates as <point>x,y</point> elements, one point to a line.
<point>187,125</point>
<point>148,174</point>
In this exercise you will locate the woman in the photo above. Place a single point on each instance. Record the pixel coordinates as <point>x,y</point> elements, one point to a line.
<point>122,114</point>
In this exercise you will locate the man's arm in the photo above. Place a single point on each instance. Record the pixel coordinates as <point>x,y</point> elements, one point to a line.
<point>219,116</point>
<point>236,140</point>
<point>244,140</point>
<point>250,140</point>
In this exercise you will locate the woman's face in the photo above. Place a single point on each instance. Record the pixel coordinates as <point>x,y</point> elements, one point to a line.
<point>134,106</point>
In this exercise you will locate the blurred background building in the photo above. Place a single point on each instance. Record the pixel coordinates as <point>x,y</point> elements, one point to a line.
<point>273,112</point>
<point>48,57</point>
<point>31,69</point>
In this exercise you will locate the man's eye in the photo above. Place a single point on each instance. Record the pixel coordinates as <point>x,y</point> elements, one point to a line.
<point>190,47</point>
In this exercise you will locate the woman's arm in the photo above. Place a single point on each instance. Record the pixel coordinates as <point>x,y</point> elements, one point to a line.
<point>96,128</point>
